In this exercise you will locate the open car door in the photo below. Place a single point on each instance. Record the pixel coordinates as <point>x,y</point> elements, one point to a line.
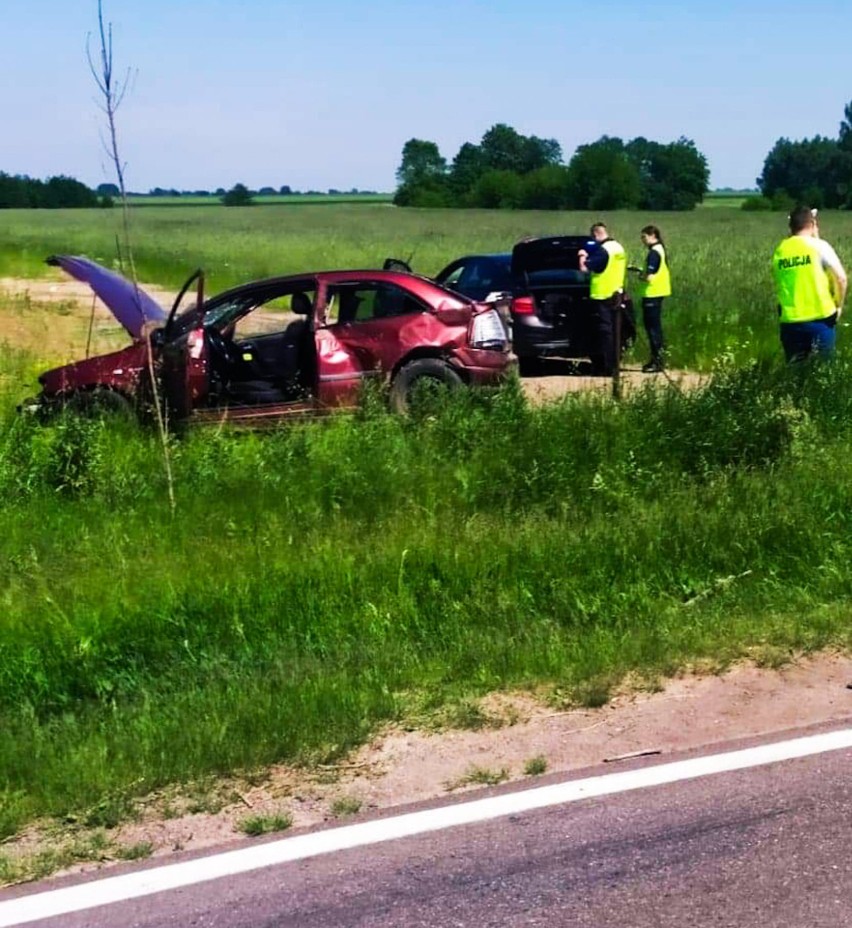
<point>184,367</point>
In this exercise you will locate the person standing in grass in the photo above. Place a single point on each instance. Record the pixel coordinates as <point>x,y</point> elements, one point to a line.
<point>606,262</point>
<point>654,286</point>
<point>811,285</point>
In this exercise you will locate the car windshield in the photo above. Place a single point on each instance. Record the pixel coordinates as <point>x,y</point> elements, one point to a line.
<point>222,314</point>
<point>227,308</point>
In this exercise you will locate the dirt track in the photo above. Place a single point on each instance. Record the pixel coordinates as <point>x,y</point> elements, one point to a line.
<point>561,377</point>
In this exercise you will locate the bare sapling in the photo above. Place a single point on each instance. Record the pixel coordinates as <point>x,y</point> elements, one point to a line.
<point>112,92</point>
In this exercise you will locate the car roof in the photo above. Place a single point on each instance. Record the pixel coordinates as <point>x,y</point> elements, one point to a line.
<point>424,287</point>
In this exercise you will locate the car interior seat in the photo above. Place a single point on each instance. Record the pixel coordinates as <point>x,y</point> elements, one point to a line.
<point>299,345</point>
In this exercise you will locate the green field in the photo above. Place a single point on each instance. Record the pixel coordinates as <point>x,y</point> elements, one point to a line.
<point>723,306</point>
<point>316,582</point>
<point>724,200</point>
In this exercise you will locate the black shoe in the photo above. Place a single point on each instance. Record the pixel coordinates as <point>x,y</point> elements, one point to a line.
<point>652,367</point>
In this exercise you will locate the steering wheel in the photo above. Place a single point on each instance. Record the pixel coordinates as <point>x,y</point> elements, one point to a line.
<point>223,352</point>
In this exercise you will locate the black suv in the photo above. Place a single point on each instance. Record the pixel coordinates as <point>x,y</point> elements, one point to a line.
<point>548,297</point>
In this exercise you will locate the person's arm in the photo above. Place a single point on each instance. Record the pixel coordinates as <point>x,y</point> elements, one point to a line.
<point>652,264</point>
<point>597,260</point>
<point>831,264</point>
<point>842,284</point>
<point>841,290</point>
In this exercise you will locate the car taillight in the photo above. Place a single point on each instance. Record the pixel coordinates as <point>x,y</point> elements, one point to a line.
<point>488,331</point>
<point>523,306</point>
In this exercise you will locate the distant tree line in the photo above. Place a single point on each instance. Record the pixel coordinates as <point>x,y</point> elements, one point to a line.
<point>816,172</point>
<point>22,192</point>
<point>507,170</point>
<point>220,192</point>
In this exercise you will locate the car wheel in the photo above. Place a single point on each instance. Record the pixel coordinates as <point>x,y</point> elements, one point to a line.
<point>421,383</point>
<point>530,367</point>
<point>598,365</point>
<point>101,404</point>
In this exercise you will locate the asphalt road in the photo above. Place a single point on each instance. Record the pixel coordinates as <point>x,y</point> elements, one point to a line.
<point>766,846</point>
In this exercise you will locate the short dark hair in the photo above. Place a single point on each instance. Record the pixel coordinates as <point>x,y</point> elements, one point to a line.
<point>800,218</point>
<point>598,225</point>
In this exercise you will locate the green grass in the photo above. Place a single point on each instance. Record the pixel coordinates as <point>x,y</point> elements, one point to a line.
<point>732,200</point>
<point>257,825</point>
<point>536,766</point>
<point>480,776</point>
<point>344,806</point>
<point>318,581</point>
<point>723,306</point>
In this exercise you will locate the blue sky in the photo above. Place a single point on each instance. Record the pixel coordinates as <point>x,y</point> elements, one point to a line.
<point>324,93</point>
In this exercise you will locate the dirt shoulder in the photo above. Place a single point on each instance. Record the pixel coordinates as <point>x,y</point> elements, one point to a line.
<point>519,734</point>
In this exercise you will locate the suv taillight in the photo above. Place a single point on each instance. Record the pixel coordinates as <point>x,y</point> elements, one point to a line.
<point>523,306</point>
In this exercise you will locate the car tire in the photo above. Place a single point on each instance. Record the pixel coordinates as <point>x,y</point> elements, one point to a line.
<point>414,375</point>
<point>530,367</point>
<point>101,404</point>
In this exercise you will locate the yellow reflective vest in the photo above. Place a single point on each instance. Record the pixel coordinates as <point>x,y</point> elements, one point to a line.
<point>660,283</point>
<point>804,289</point>
<point>611,279</point>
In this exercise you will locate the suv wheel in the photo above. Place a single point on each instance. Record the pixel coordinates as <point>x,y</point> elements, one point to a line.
<point>420,378</point>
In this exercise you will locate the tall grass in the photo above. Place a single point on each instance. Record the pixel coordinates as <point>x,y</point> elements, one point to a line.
<point>322,578</point>
<point>723,306</point>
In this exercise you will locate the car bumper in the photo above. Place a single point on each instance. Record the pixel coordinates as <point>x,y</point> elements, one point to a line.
<point>32,406</point>
<point>534,338</point>
<point>484,368</point>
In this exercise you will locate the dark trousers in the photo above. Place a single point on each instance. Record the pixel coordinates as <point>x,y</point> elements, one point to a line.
<point>803,339</point>
<point>652,312</point>
<point>603,326</point>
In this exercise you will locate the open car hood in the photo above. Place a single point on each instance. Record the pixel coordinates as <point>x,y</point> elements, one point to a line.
<point>554,253</point>
<point>132,307</point>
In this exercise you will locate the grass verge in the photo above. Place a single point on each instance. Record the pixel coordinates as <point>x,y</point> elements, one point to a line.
<point>320,580</point>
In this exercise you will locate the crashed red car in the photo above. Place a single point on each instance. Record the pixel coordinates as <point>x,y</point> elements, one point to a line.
<point>282,347</point>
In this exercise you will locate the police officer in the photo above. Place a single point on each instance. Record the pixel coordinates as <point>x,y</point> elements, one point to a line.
<point>654,285</point>
<point>606,262</point>
<point>811,286</point>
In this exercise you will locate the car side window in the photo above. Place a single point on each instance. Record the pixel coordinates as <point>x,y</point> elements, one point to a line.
<point>450,280</point>
<point>480,277</point>
<point>366,302</point>
<point>274,314</point>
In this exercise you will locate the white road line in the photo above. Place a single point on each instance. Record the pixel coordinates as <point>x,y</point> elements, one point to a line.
<point>172,876</point>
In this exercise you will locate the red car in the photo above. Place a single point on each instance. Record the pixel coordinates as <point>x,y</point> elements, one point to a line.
<point>282,347</point>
